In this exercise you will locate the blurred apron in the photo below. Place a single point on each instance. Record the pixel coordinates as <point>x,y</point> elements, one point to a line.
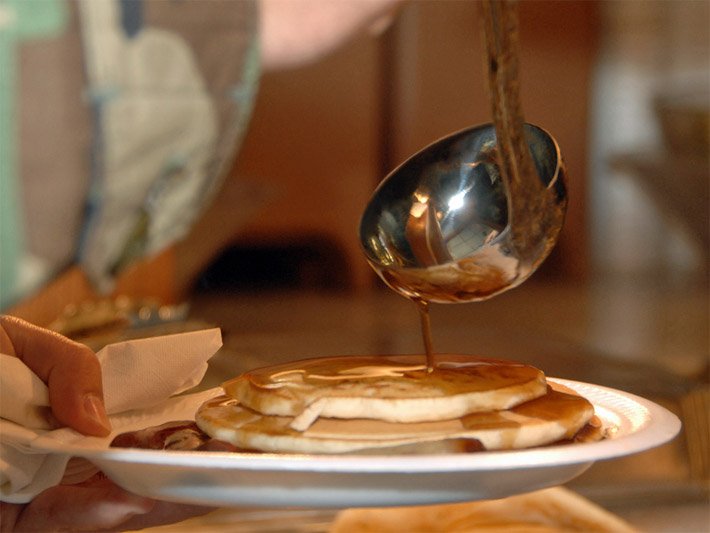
<point>168,88</point>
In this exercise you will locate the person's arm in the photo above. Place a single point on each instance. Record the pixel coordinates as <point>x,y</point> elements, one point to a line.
<point>296,32</point>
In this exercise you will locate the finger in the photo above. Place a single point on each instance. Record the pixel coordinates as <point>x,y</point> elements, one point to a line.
<point>81,508</point>
<point>6,346</point>
<point>70,370</point>
<point>9,513</point>
<point>96,505</point>
<point>160,513</point>
<point>164,513</point>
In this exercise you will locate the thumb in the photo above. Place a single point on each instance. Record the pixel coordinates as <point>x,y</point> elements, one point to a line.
<point>71,371</point>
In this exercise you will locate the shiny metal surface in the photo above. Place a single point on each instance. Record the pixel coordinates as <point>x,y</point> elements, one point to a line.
<point>440,227</point>
<point>475,213</point>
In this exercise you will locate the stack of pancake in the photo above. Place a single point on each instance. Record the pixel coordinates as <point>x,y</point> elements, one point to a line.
<point>395,404</point>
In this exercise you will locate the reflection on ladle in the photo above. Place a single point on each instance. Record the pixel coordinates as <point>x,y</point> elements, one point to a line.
<point>475,213</point>
<point>424,234</point>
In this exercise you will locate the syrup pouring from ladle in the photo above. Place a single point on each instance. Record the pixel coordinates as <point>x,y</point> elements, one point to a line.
<point>475,213</point>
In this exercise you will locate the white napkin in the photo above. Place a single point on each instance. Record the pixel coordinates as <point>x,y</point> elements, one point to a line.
<point>137,375</point>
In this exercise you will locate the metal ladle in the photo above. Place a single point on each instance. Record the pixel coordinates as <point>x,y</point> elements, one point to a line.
<point>442,228</point>
<point>474,213</point>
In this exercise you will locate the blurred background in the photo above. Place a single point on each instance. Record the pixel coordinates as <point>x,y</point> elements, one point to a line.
<point>622,85</point>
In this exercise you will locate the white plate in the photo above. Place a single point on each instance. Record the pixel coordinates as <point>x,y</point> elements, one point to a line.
<point>229,479</point>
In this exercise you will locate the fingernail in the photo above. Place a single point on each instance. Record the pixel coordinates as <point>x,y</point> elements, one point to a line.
<point>94,409</point>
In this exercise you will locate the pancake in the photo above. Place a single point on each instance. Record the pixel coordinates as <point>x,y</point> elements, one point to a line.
<point>397,389</point>
<point>555,416</point>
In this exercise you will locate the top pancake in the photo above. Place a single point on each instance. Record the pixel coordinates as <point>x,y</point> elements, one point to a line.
<point>387,388</point>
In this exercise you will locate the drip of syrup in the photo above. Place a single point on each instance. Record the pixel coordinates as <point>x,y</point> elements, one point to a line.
<point>425,322</point>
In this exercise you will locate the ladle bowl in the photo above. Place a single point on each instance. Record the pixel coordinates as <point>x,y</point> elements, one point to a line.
<point>440,227</point>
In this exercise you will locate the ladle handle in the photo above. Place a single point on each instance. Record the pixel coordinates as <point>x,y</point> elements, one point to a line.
<point>527,201</point>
